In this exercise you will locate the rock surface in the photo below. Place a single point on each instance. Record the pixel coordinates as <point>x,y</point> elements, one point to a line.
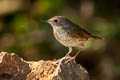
<point>13,67</point>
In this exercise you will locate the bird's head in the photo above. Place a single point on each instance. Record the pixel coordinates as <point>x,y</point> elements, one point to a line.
<point>58,22</point>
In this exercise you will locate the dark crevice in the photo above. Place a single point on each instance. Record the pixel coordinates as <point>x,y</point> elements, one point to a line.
<point>5,76</point>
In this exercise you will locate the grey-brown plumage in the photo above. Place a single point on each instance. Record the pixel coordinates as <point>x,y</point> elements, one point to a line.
<point>69,34</point>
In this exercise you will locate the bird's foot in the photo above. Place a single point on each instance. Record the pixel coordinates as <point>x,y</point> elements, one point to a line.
<point>67,56</point>
<point>71,59</point>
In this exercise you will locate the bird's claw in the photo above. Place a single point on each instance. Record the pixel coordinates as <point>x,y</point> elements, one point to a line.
<point>71,59</point>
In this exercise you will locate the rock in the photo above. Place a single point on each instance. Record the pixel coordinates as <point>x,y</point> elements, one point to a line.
<point>13,67</point>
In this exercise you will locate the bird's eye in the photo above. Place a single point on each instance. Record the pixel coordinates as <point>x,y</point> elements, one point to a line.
<point>55,20</point>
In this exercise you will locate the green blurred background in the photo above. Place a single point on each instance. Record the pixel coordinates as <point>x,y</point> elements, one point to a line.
<point>21,32</point>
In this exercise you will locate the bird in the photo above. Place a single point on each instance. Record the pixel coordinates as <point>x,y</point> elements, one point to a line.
<point>70,34</point>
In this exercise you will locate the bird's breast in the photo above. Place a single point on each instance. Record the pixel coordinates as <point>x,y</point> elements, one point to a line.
<point>65,39</point>
<point>62,36</point>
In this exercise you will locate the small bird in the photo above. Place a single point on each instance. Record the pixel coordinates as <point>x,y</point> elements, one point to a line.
<point>69,34</point>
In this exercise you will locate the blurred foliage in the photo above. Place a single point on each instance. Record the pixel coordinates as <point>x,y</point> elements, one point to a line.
<point>23,33</point>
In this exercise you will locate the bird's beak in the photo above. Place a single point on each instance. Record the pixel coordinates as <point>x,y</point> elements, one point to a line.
<point>47,21</point>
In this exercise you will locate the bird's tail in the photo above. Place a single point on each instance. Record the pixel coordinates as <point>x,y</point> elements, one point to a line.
<point>97,37</point>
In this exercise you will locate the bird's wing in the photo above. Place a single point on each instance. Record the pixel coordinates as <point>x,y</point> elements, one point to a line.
<point>80,33</point>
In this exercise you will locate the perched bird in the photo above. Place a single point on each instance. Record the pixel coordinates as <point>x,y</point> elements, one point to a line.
<point>69,34</point>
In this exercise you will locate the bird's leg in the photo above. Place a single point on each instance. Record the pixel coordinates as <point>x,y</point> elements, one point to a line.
<point>70,50</point>
<point>74,57</point>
